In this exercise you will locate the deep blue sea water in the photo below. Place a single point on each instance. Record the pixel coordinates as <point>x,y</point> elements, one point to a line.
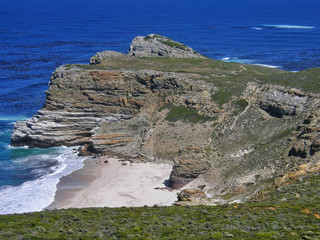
<point>37,36</point>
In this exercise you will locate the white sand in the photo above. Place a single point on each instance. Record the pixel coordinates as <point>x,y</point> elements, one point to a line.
<point>116,185</point>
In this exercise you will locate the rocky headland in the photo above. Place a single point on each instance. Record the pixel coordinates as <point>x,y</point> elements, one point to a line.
<point>230,129</point>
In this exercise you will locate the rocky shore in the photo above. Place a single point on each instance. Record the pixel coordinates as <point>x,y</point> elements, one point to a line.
<point>228,128</point>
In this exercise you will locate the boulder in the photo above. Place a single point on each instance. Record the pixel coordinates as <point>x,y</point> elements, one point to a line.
<point>100,56</point>
<point>190,194</point>
<point>188,166</point>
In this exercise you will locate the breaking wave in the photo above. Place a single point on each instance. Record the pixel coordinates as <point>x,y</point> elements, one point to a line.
<point>287,26</point>
<point>35,195</point>
<point>267,65</point>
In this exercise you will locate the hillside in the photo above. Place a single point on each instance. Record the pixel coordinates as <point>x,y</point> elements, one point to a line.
<point>229,129</point>
<point>291,212</point>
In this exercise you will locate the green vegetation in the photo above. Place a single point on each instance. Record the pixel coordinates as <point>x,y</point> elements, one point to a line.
<point>95,58</point>
<point>288,213</point>
<point>167,41</point>
<point>173,44</point>
<point>183,113</point>
<point>148,38</point>
<point>152,37</point>
<point>285,133</point>
<point>233,76</point>
<point>165,106</point>
<point>242,104</point>
<point>304,193</point>
<point>222,96</point>
<point>209,149</point>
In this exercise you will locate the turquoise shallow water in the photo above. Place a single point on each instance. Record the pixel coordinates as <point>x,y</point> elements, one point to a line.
<point>37,36</point>
<point>33,175</point>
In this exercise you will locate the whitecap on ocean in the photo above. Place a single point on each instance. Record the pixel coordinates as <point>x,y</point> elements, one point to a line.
<point>287,26</point>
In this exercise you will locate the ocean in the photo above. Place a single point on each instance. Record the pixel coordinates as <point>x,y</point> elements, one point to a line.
<point>37,36</point>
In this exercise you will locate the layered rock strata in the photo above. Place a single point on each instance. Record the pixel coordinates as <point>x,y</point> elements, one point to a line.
<point>82,102</point>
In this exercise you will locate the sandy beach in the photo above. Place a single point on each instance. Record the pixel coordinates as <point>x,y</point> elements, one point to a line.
<point>108,182</point>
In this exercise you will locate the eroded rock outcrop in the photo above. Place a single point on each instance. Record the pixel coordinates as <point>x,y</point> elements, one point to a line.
<point>307,142</point>
<point>279,101</point>
<point>189,197</point>
<point>188,166</point>
<point>101,56</point>
<point>155,45</point>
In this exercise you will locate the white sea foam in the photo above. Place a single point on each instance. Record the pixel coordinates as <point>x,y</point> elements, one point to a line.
<point>35,195</point>
<point>257,28</point>
<point>247,61</point>
<point>288,26</point>
<point>13,147</point>
<point>237,60</point>
<point>266,65</point>
<point>12,118</point>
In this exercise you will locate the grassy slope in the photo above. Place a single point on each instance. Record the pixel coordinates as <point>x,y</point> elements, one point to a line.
<point>291,213</point>
<point>232,76</point>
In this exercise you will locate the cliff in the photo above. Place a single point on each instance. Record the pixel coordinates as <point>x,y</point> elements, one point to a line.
<point>228,128</point>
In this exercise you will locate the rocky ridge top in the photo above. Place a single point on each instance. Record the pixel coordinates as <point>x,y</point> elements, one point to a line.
<point>155,45</point>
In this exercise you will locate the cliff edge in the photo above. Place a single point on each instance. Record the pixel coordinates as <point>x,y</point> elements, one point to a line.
<point>229,129</point>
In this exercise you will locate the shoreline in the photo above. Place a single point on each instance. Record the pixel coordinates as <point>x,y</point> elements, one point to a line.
<point>110,182</point>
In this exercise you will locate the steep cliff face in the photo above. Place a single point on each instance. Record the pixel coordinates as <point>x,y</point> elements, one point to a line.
<point>228,128</point>
<point>106,108</point>
<point>77,102</point>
